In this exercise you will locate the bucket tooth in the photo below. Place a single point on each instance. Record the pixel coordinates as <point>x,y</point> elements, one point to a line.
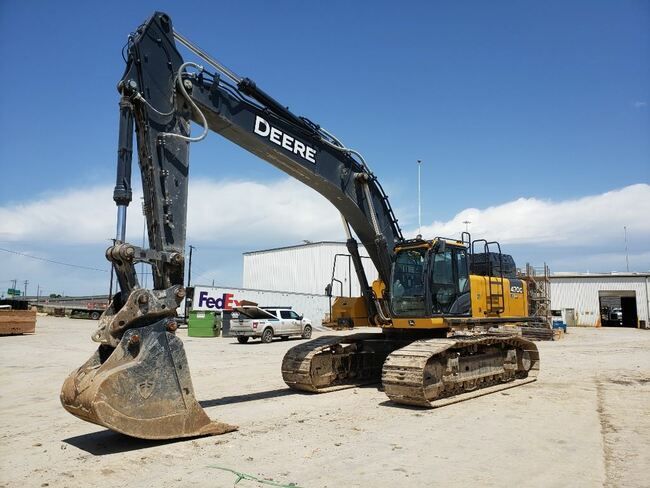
<point>141,388</point>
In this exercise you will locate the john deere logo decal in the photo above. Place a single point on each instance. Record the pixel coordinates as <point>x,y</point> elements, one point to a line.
<point>145,388</point>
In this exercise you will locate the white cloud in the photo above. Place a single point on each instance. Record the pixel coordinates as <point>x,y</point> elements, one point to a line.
<point>589,220</point>
<point>601,262</point>
<point>81,216</point>
<point>233,213</point>
<point>250,214</point>
<point>226,218</point>
<point>640,104</point>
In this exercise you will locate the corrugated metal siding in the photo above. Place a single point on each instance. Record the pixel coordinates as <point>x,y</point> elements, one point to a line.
<point>313,307</point>
<point>304,269</point>
<point>581,294</point>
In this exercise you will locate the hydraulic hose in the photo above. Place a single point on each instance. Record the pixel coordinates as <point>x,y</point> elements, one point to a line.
<point>181,88</point>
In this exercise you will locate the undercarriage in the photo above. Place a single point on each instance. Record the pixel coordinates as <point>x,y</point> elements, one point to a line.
<point>426,372</point>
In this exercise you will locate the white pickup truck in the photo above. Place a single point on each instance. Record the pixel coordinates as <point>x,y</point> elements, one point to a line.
<point>267,322</point>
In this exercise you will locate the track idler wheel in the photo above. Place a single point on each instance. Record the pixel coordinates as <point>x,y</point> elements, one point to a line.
<point>141,388</point>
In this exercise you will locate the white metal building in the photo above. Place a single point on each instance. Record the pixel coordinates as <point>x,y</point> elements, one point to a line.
<point>584,298</point>
<point>306,268</point>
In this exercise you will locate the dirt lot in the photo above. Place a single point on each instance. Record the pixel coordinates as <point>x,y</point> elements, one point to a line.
<point>584,423</point>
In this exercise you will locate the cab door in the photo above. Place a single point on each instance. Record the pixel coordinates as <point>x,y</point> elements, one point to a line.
<point>277,322</point>
<point>297,321</point>
<point>449,286</point>
<point>289,322</point>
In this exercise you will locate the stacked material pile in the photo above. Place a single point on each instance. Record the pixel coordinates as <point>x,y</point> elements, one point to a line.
<point>541,333</point>
<point>13,322</point>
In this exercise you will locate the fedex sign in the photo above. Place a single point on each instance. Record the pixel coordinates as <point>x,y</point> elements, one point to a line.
<point>203,301</point>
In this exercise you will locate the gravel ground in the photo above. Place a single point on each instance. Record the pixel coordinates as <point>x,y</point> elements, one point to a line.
<point>585,422</point>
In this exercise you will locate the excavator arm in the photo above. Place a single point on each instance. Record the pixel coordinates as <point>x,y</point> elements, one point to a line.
<point>138,381</point>
<point>163,94</point>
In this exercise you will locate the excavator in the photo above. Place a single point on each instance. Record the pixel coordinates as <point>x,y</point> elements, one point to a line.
<point>446,310</point>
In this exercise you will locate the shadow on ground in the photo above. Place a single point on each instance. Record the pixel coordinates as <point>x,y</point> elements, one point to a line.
<point>392,404</point>
<point>250,397</point>
<point>108,442</point>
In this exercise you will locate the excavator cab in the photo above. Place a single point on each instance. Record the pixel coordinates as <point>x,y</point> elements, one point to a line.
<point>429,279</point>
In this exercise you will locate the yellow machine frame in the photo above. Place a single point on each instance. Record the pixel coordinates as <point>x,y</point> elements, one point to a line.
<point>352,311</point>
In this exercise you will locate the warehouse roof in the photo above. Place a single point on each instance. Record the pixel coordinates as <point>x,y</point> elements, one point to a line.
<point>613,274</point>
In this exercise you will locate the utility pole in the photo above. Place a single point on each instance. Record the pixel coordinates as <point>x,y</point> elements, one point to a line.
<point>419,202</point>
<point>189,271</point>
<point>189,281</point>
<point>467,222</point>
<point>13,284</point>
<point>25,283</point>
<point>38,292</point>
<point>627,258</point>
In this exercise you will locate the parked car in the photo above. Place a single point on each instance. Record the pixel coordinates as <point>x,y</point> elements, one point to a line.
<point>268,322</point>
<point>616,315</point>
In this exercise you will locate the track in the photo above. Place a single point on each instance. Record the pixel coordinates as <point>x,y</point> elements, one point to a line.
<point>334,362</point>
<point>438,372</point>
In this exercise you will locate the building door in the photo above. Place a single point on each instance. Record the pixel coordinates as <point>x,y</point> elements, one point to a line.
<point>618,308</point>
<point>570,317</point>
<point>628,308</point>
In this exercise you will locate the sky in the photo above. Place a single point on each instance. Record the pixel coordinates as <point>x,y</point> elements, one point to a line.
<point>531,120</point>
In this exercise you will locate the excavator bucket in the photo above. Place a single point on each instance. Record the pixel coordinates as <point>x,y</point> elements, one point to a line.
<point>141,388</point>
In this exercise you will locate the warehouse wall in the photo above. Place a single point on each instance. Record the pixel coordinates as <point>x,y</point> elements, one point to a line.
<point>216,298</point>
<point>581,294</point>
<point>304,269</point>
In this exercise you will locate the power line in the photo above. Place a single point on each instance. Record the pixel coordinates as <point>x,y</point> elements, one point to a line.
<point>52,261</point>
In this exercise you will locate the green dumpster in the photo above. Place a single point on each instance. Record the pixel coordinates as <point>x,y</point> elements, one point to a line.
<point>203,324</point>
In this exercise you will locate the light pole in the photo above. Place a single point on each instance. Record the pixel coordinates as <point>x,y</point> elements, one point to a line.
<point>419,201</point>
<point>627,258</point>
<point>189,271</point>
<point>467,222</point>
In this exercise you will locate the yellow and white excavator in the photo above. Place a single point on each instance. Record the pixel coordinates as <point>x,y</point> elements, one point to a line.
<point>440,305</point>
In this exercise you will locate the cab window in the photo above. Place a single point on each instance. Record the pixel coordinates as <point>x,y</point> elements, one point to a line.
<point>272,312</point>
<point>407,283</point>
<point>462,271</point>
<point>449,286</point>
